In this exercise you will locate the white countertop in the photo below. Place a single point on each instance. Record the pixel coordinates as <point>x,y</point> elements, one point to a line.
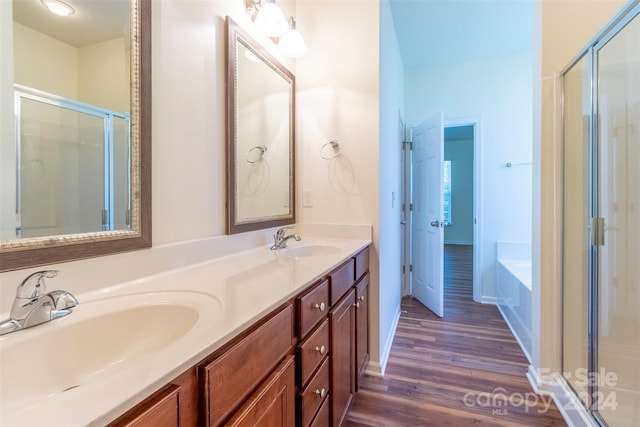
<point>230,293</point>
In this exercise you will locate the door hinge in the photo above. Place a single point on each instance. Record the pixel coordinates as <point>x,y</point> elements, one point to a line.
<point>410,268</point>
<point>598,231</point>
<point>104,217</point>
<point>127,216</point>
<point>403,269</point>
<point>411,206</point>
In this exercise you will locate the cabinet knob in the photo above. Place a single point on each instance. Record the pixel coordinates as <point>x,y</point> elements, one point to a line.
<point>356,304</point>
<point>361,298</point>
<point>322,350</point>
<point>322,393</point>
<point>320,306</point>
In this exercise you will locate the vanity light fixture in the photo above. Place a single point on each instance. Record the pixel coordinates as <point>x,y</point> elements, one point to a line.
<point>58,7</point>
<point>268,17</point>
<point>291,43</point>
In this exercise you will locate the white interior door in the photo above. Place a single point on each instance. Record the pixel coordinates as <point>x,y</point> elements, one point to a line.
<point>427,216</point>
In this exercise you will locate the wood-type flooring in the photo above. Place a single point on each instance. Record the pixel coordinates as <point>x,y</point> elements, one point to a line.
<point>465,369</point>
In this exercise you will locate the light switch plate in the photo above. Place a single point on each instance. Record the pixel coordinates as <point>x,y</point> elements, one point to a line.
<point>307,198</point>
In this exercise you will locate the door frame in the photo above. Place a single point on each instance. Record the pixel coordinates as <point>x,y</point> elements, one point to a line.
<point>476,122</point>
<point>407,195</point>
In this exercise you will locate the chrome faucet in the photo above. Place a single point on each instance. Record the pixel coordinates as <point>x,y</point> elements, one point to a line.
<point>280,240</point>
<point>33,306</point>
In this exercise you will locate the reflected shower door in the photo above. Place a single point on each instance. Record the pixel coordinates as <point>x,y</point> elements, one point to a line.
<point>61,170</point>
<point>618,190</point>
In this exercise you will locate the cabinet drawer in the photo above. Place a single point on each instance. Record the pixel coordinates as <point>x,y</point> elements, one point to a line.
<point>311,308</point>
<point>273,404</point>
<point>362,263</point>
<point>311,397</point>
<point>230,378</point>
<point>311,351</point>
<point>322,418</point>
<point>341,280</point>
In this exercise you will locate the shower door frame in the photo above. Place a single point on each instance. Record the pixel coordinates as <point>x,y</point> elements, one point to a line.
<point>107,116</point>
<point>596,223</point>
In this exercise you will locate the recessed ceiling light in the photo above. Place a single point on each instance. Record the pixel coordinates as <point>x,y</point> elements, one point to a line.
<point>58,7</point>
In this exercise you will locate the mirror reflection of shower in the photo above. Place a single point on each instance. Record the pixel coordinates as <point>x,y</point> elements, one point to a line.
<point>72,166</point>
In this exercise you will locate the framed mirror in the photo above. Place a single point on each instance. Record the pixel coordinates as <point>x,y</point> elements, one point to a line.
<point>260,136</point>
<point>75,122</point>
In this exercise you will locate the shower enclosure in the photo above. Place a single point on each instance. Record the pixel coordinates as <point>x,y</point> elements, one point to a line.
<point>72,166</point>
<point>601,230</point>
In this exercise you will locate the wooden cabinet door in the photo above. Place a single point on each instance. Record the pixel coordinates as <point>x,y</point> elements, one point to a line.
<point>342,324</point>
<point>273,404</point>
<point>362,328</point>
<point>176,405</point>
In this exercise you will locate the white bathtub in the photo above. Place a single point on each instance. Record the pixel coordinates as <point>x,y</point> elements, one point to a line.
<point>513,275</point>
<point>520,268</point>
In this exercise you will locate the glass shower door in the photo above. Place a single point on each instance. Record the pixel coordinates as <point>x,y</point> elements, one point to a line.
<point>618,194</point>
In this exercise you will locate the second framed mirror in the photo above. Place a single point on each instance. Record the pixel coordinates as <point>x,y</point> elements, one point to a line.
<point>260,135</point>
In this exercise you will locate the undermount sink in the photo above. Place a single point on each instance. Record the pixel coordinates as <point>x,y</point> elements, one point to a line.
<point>98,339</point>
<point>310,251</point>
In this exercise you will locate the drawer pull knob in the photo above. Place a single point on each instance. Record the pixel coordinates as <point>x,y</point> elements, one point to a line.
<point>322,393</point>
<point>322,350</point>
<point>361,298</point>
<point>320,306</point>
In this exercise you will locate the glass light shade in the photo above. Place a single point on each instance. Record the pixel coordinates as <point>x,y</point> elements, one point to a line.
<point>58,7</point>
<point>292,44</point>
<point>271,21</point>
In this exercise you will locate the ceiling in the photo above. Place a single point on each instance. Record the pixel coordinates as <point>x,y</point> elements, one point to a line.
<point>433,32</point>
<point>429,32</point>
<point>94,21</point>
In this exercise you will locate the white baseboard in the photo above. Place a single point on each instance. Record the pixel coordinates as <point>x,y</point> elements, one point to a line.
<point>377,369</point>
<point>374,369</point>
<point>516,336</point>
<point>489,300</point>
<point>569,405</point>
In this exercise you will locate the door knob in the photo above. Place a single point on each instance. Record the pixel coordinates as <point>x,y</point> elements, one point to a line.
<point>435,224</point>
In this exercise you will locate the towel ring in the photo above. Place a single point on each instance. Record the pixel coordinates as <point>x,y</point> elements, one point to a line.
<point>334,144</point>
<point>262,148</point>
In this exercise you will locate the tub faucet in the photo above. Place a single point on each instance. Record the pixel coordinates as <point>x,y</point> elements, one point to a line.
<point>33,305</point>
<point>280,240</point>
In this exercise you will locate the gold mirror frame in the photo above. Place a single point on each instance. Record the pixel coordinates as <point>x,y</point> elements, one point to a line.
<point>235,35</point>
<point>30,252</point>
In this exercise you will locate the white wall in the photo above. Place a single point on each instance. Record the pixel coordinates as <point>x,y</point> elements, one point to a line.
<point>104,75</point>
<point>338,99</point>
<point>390,180</point>
<point>35,52</point>
<point>499,92</point>
<point>460,153</point>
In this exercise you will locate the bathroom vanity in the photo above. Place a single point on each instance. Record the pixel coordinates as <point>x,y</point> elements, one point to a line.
<point>214,342</point>
<point>297,366</point>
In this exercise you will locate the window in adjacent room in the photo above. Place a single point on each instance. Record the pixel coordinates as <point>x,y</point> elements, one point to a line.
<point>447,192</point>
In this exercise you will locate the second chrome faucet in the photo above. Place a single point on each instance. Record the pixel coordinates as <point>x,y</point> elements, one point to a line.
<point>280,238</point>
